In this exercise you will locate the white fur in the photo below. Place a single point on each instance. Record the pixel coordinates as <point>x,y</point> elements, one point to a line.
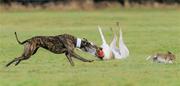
<point>160,59</point>
<point>106,49</point>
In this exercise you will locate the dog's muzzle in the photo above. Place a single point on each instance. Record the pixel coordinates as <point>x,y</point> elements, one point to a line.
<point>99,53</point>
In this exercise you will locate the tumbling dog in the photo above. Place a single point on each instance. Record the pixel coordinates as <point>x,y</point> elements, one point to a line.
<point>162,58</point>
<point>59,44</point>
<point>112,51</point>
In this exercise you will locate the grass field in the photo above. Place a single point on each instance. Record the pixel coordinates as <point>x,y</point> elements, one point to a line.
<point>145,32</point>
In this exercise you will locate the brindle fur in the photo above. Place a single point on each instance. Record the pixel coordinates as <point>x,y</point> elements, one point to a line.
<point>59,44</point>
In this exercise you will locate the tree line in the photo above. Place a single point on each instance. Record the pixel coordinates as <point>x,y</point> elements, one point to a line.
<point>122,2</point>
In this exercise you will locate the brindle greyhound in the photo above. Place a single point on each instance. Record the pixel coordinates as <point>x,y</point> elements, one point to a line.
<point>59,44</point>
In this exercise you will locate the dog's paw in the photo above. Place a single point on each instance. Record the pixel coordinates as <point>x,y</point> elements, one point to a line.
<point>90,60</point>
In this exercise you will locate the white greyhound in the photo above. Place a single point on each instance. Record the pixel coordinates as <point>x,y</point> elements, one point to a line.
<point>113,51</point>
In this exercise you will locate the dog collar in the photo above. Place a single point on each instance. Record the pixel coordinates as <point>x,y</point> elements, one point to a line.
<point>78,43</point>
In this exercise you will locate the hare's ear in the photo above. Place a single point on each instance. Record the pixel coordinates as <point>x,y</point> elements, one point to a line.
<point>169,52</point>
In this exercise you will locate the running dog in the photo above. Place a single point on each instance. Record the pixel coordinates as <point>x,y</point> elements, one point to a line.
<point>59,44</point>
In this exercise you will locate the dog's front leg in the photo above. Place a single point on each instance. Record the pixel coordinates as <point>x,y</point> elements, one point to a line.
<point>80,58</point>
<point>68,55</point>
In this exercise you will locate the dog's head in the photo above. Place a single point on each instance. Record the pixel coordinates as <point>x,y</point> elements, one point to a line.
<point>91,48</point>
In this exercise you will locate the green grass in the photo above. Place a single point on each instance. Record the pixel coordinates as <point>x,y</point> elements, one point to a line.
<point>145,32</point>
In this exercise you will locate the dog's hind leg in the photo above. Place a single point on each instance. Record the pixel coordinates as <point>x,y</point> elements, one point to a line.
<point>29,50</point>
<point>35,50</point>
<point>20,59</point>
<point>17,62</point>
<point>14,60</point>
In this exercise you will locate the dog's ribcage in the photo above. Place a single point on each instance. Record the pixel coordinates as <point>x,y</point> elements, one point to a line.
<point>54,44</point>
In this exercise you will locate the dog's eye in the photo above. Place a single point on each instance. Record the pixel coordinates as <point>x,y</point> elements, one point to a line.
<point>89,43</point>
<point>86,43</point>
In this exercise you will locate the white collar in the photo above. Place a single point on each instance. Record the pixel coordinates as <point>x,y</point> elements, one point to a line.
<point>78,43</point>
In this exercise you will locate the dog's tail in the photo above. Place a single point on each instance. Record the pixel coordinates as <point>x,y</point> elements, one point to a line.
<point>18,39</point>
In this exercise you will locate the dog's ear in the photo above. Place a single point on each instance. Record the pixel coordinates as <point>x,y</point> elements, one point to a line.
<point>85,39</point>
<point>169,52</point>
<point>84,42</point>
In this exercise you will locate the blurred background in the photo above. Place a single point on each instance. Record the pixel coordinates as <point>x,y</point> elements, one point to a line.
<point>84,4</point>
